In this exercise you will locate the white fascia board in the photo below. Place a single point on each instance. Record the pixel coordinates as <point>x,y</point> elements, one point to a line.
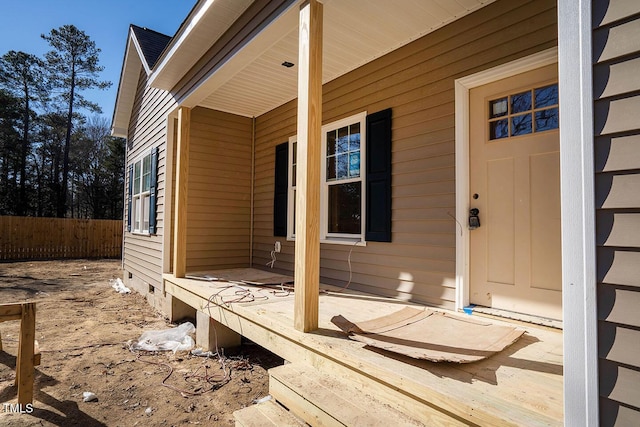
<point>118,132</point>
<point>136,43</point>
<point>581,397</point>
<point>133,61</point>
<point>179,39</point>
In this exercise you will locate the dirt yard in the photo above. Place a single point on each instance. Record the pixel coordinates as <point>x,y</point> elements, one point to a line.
<point>83,326</point>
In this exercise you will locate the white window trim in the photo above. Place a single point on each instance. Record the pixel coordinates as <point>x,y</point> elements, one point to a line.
<point>291,201</point>
<point>137,209</point>
<point>324,190</point>
<point>325,236</point>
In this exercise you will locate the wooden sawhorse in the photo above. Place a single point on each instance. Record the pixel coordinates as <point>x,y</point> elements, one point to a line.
<point>28,351</point>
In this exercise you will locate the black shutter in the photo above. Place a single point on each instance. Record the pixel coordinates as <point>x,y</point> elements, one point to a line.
<point>129,198</point>
<point>153,190</point>
<point>281,190</point>
<point>378,212</point>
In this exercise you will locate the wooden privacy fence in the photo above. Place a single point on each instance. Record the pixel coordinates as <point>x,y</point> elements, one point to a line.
<point>23,238</point>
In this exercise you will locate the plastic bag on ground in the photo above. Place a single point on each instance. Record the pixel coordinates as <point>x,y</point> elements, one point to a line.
<point>173,339</point>
<point>89,396</point>
<point>119,286</point>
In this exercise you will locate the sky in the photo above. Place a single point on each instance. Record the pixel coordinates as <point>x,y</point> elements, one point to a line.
<point>106,22</point>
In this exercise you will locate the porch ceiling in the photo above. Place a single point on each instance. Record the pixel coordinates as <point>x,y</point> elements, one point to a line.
<point>355,33</point>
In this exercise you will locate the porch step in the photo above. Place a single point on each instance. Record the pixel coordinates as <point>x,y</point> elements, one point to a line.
<point>266,414</point>
<point>324,400</point>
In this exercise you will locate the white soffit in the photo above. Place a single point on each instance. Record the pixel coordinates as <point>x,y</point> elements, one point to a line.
<point>203,26</point>
<point>355,32</point>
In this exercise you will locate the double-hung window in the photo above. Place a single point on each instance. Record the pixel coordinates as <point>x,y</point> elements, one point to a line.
<point>342,195</point>
<point>355,181</point>
<point>142,194</point>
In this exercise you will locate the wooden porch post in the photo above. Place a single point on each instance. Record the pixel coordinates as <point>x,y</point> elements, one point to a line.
<point>180,212</point>
<point>307,252</point>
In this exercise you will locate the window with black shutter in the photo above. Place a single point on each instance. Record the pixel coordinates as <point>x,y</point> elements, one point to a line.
<point>143,182</point>
<point>355,181</point>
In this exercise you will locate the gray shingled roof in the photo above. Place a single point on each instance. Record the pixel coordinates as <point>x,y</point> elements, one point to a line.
<point>151,42</point>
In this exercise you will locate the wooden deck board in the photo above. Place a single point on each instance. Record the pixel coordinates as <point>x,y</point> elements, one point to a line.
<point>524,382</point>
<point>329,400</point>
<point>265,414</point>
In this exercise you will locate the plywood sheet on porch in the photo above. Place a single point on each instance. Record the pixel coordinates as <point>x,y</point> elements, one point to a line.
<point>432,335</point>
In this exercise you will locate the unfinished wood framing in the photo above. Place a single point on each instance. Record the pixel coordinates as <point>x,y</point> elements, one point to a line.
<point>182,185</point>
<point>264,414</point>
<point>28,349</point>
<point>307,251</point>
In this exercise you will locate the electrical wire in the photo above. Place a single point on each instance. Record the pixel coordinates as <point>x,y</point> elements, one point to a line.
<point>213,381</point>
<point>240,295</point>
<point>456,220</point>
<point>350,269</point>
<point>273,259</point>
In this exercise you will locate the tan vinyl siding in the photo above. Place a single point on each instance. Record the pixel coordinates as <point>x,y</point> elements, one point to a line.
<point>616,42</point>
<point>147,129</point>
<point>271,129</point>
<point>219,205</point>
<point>417,82</point>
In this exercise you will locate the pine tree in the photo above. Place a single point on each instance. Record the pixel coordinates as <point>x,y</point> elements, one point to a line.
<point>9,137</point>
<point>73,67</point>
<point>21,74</point>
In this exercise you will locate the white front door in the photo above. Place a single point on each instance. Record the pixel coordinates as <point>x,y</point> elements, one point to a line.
<point>514,181</point>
